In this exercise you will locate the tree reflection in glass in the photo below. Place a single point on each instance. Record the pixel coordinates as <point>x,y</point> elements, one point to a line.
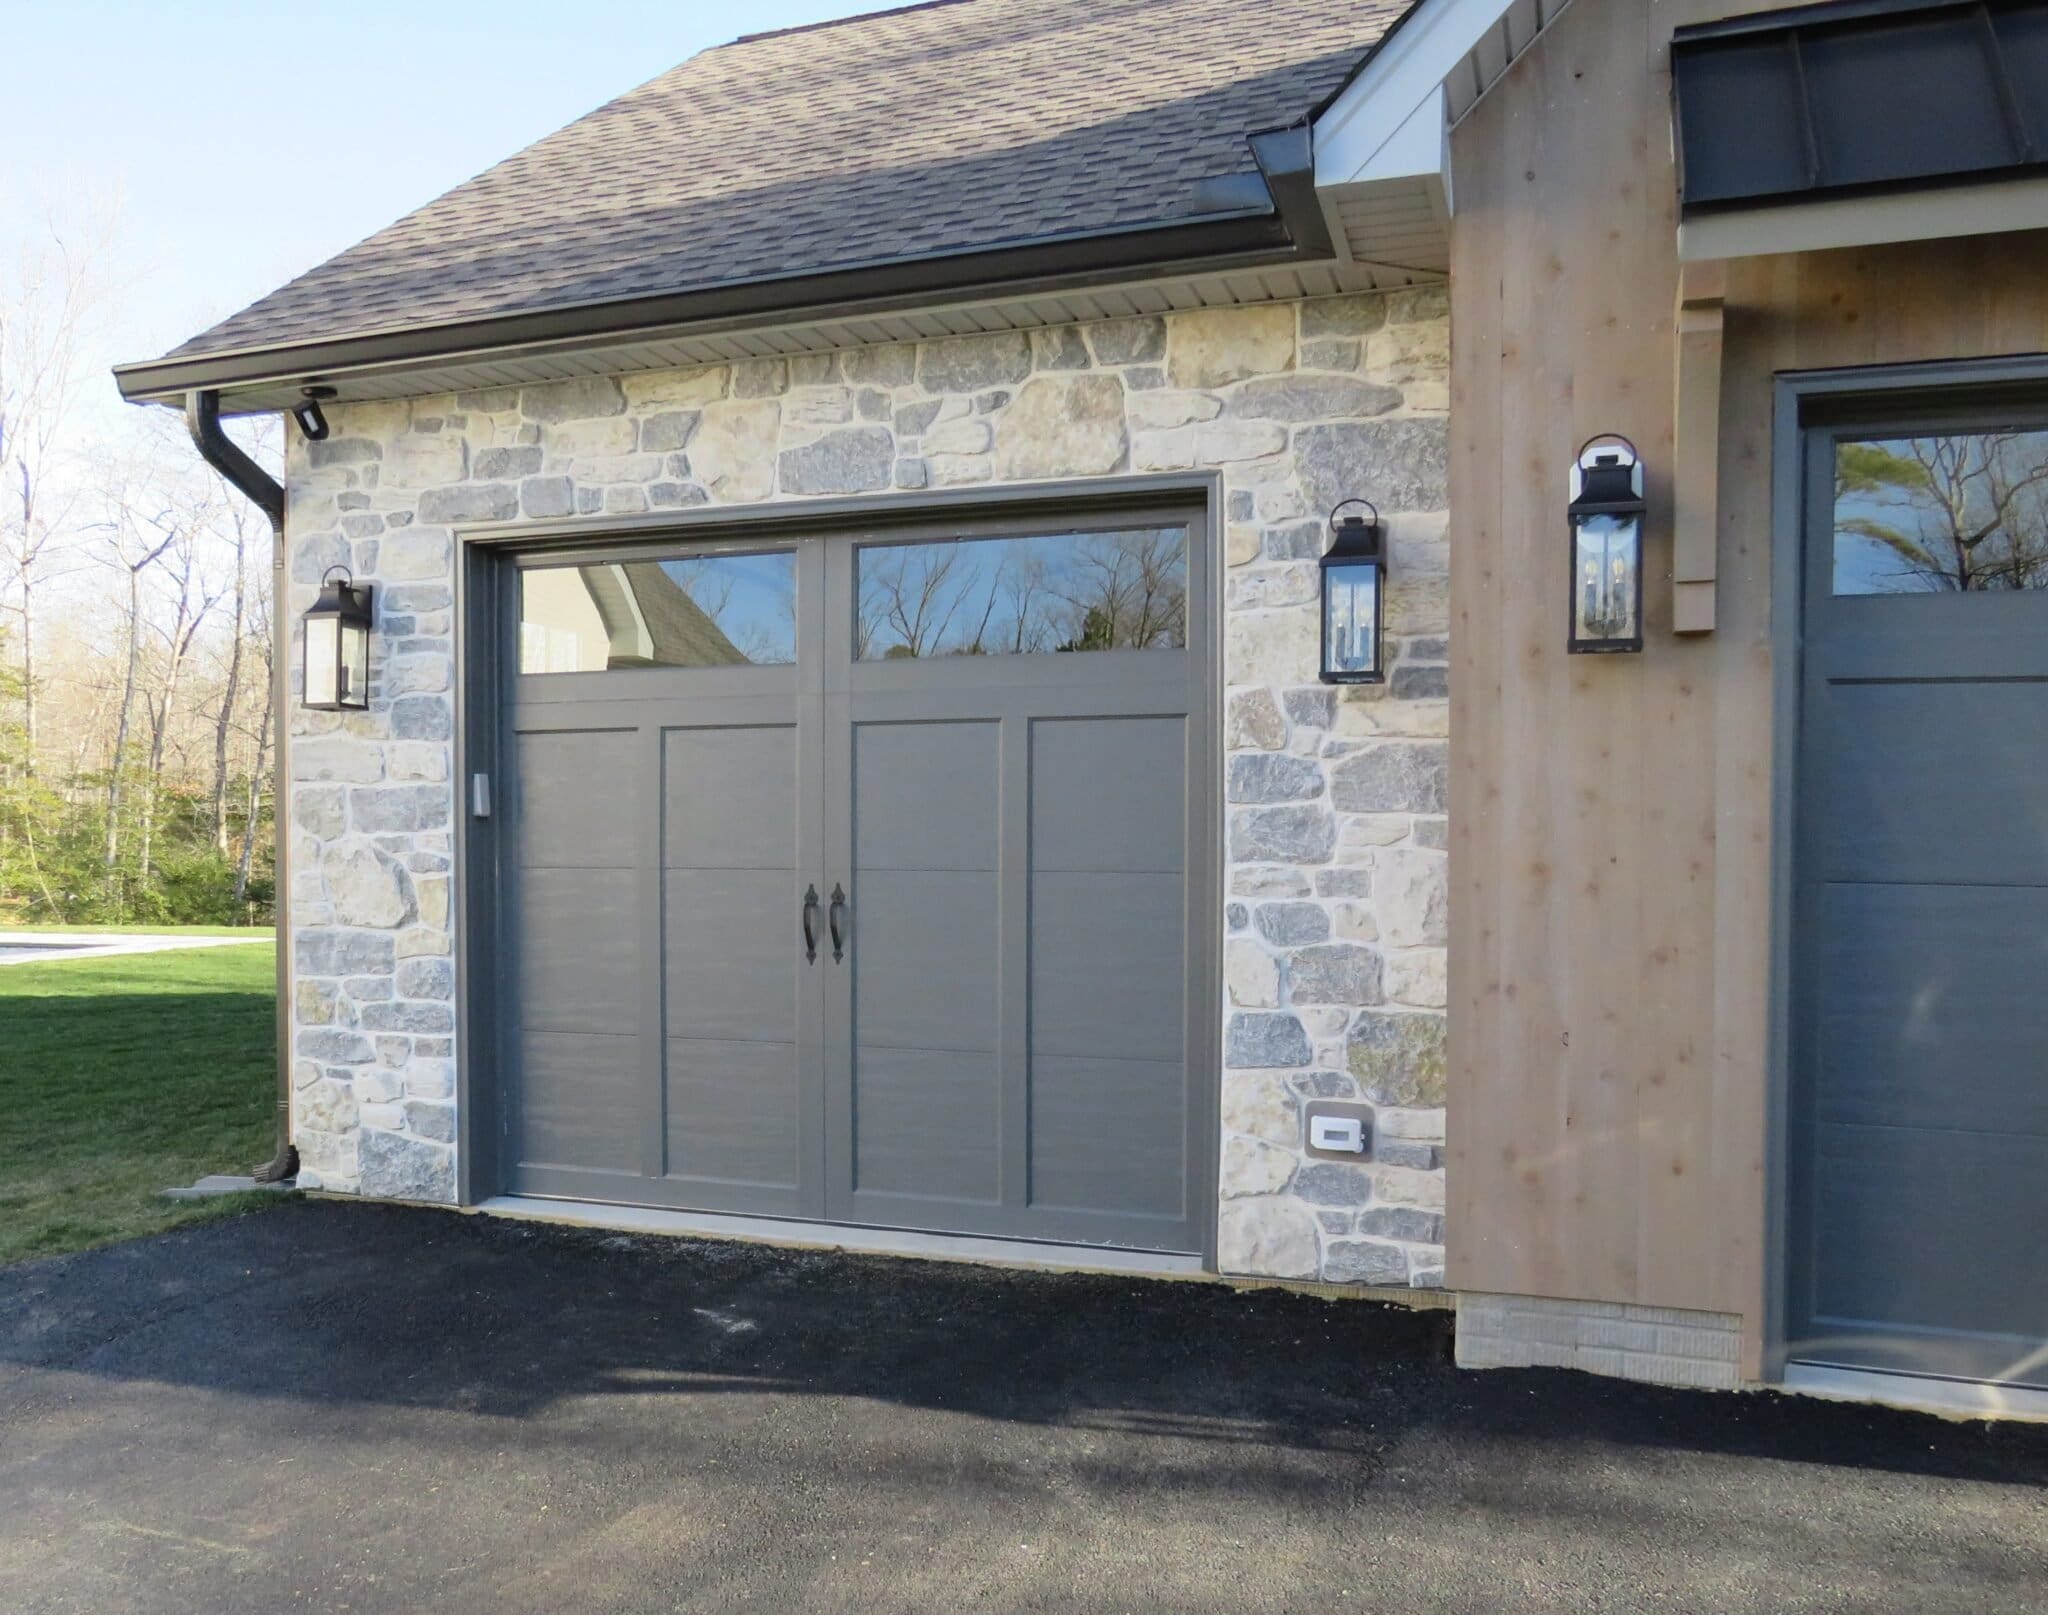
<point>1920,515</point>
<point>1024,596</point>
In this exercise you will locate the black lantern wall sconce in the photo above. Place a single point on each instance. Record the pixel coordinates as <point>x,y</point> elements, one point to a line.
<point>336,653</point>
<point>1354,572</point>
<point>1606,516</point>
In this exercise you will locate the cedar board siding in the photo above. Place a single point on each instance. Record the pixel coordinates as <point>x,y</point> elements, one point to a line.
<point>1611,839</point>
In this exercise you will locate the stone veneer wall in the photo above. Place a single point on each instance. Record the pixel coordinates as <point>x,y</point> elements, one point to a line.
<point>1335,910</point>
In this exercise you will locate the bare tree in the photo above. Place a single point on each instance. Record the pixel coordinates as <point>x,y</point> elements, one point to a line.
<point>1967,510</point>
<point>267,651</point>
<point>48,306</point>
<point>133,553</point>
<point>191,606</point>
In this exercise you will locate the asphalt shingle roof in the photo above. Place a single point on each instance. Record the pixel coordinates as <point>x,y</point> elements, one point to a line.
<point>952,127</point>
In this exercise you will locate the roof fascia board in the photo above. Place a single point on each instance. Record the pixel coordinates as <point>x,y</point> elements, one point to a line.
<point>1410,64</point>
<point>1991,208</point>
<point>1291,228</point>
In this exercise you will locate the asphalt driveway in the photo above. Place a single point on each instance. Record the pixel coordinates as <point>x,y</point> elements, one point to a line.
<point>369,1409</point>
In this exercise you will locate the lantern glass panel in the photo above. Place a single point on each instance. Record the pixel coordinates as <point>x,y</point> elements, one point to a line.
<point>355,666</point>
<point>323,660</point>
<point>1604,591</point>
<point>1351,618</point>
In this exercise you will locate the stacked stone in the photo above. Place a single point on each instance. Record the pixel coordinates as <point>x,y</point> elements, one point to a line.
<point>1335,908</point>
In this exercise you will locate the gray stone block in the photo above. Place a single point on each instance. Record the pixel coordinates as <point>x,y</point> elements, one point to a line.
<point>1411,1223</point>
<point>1333,973</point>
<point>428,1018</point>
<point>396,1167</point>
<point>1364,1261</point>
<point>341,953</point>
<point>470,502</point>
<point>966,364</point>
<point>507,465</point>
<point>661,434</point>
<point>858,459</point>
<point>1400,464</point>
<point>1411,682</point>
<point>1333,1183</point>
<point>1131,341</point>
<point>1359,315</point>
<point>1059,347</point>
<point>1315,707</point>
<point>334,1046</point>
<point>1302,834</point>
<point>1273,776</point>
<point>1292,924</point>
<point>1310,398</point>
<point>1395,776</point>
<point>1258,1041</point>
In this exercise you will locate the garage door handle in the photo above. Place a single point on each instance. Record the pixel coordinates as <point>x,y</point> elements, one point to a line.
<point>810,925</point>
<point>837,920</point>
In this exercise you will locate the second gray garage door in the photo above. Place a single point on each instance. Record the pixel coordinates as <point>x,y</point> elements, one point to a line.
<point>864,879</point>
<point>1920,1026</point>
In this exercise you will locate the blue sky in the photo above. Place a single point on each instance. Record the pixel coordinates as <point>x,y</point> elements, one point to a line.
<point>243,143</point>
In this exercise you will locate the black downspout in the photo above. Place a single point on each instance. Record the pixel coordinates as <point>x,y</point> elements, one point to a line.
<point>202,419</point>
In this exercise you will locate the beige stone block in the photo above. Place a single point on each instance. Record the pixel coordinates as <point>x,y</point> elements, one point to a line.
<point>1411,891</point>
<point>1251,975</point>
<point>590,440</point>
<point>1250,1167</point>
<point>955,470</point>
<point>1224,442</point>
<point>422,942</point>
<point>1271,647</point>
<point>423,761</point>
<point>1164,451</point>
<point>431,892</point>
<point>733,450</point>
<point>1062,426</point>
<point>817,406</point>
<point>1408,1186</point>
<point>1410,354</point>
<point>1415,976</point>
<point>422,460</point>
<point>1240,545</point>
<point>1424,1126</point>
<point>963,435</point>
<point>690,388</point>
<point>1259,1104</point>
<point>366,889</point>
<point>1354,922</point>
<point>1163,411</point>
<point>1267,1237</point>
<point>1215,346</point>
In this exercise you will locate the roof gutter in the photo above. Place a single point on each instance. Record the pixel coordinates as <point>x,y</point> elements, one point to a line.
<point>202,419</point>
<point>1286,226</point>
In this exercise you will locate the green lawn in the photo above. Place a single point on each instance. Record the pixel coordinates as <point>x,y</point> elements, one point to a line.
<point>120,1077</point>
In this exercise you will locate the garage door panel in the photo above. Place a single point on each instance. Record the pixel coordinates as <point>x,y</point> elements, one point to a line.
<point>733,1111</point>
<point>1928,1007</point>
<point>1936,781</point>
<point>729,798</point>
<point>1098,786</point>
<point>924,957</point>
<point>925,1122</point>
<point>578,954</point>
<point>925,795</point>
<point>577,1100</point>
<point>1928,1225</point>
<point>731,945</point>
<point>1108,1134</point>
<point>575,792</point>
<point>1108,965</point>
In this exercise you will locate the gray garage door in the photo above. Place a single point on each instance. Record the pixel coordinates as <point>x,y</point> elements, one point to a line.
<point>1920,1020</point>
<point>861,879</point>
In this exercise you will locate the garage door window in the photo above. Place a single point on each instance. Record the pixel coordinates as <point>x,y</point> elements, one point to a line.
<point>1026,596</point>
<point>691,611</point>
<point>1957,511</point>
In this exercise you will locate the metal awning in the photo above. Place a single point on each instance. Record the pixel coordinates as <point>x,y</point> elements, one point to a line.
<point>1861,97</point>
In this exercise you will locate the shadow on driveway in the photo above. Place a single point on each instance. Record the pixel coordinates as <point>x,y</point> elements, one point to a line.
<point>377,1408</point>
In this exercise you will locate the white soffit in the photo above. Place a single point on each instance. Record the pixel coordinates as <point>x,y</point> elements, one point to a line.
<point>1382,147</point>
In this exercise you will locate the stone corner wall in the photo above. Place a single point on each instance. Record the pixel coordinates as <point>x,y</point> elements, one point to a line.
<point>1334,912</point>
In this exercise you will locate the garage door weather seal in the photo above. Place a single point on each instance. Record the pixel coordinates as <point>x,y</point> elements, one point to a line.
<point>835,1236</point>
